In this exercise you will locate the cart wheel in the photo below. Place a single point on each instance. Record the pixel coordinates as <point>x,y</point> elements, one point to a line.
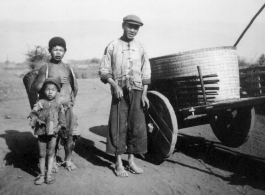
<point>162,124</point>
<point>233,127</point>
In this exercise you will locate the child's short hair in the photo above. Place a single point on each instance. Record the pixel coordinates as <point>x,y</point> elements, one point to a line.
<point>57,41</point>
<point>52,81</point>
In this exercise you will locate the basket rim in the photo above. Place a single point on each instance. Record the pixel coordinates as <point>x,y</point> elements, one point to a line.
<point>194,51</point>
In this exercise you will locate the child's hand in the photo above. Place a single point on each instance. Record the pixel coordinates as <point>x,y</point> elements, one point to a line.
<point>32,120</point>
<point>63,134</point>
<point>38,106</point>
<point>57,129</point>
<point>63,79</point>
<point>103,71</point>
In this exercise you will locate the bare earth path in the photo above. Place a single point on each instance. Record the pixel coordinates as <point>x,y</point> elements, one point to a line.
<point>200,164</point>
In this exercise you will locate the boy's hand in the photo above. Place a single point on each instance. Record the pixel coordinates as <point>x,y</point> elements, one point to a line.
<point>63,134</point>
<point>118,92</point>
<point>63,79</point>
<point>57,129</point>
<point>145,101</point>
<point>103,71</point>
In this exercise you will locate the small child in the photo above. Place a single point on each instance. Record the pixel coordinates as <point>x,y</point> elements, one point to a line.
<point>47,119</point>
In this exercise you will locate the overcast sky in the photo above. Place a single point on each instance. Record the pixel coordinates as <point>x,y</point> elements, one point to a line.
<point>170,26</point>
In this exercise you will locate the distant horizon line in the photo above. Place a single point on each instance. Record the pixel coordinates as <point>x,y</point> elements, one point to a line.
<point>120,21</point>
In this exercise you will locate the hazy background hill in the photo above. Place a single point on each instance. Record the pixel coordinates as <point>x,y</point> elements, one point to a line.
<point>87,39</point>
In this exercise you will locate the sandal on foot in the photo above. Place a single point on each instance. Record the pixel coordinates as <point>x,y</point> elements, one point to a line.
<point>120,172</point>
<point>40,180</point>
<point>69,165</point>
<point>49,179</point>
<point>133,170</point>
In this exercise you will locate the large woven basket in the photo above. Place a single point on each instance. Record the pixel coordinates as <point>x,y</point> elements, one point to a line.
<point>222,61</point>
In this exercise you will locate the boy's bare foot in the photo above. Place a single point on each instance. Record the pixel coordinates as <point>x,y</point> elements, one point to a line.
<point>49,179</point>
<point>133,168</point>
<point>55,167</point>
<point>120,171</point>
<point>40,180</point>
<point>69,165</point>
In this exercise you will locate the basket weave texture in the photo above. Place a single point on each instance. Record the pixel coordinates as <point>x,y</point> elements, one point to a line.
<point>220,60</point>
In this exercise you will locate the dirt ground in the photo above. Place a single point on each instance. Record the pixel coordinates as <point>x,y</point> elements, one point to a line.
<point>199,165</point>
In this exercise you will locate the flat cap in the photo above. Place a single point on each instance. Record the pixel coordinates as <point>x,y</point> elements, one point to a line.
<point>133,19</point>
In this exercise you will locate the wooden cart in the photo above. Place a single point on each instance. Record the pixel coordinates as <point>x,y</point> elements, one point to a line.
<point>183,101</point>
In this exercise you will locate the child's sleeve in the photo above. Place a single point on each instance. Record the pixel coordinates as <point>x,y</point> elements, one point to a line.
<point>34,114</point>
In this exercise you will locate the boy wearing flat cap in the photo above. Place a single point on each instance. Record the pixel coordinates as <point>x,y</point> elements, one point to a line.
<point>57,69</point>
<point>125,66</point>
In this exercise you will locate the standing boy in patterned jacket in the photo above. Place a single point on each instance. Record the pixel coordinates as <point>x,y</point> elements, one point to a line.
<point>125,66</point>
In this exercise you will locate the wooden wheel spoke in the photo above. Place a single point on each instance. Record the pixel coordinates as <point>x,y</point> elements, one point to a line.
<point>160,119</point>
<point>158,130</point>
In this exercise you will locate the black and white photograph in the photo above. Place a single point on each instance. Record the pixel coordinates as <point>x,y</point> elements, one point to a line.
<point>119,97</point>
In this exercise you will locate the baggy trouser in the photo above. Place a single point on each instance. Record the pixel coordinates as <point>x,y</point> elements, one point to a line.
<point>132,135</point>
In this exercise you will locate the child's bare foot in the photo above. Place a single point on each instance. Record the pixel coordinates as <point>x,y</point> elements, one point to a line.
<point>40,180</point>
<point>49,179</point>
<point>69,165</point>
<point>133,168</point>
<point>55,167</point>
<point>120,171</point>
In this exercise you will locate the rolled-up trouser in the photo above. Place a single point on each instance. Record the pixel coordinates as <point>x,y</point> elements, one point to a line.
<point>132,136</point>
